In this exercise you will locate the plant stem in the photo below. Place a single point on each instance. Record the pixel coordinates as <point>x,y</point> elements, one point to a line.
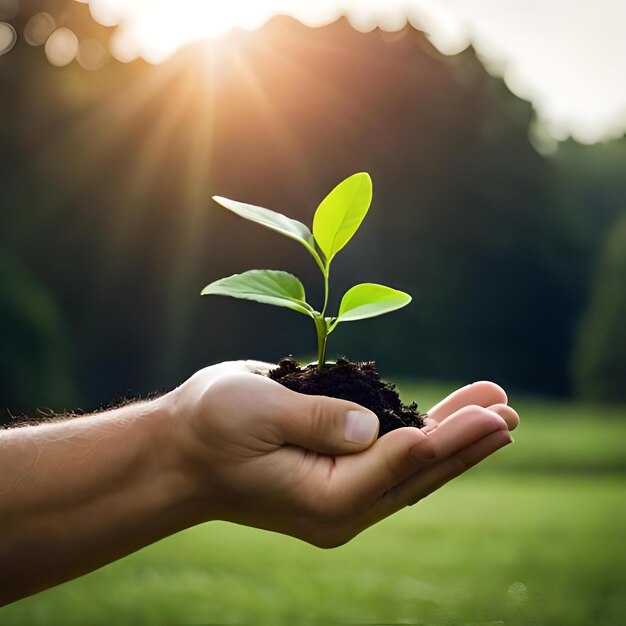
<point>322,327</point>
<point>321,357</point>
<point>326,273</point>
<point>322,338</point>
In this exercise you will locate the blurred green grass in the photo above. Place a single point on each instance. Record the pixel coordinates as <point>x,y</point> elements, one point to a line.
<point>561,437</point>
<point>533,536</point>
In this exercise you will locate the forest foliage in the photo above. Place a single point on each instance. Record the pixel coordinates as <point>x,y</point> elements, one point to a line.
<point>108,233</point>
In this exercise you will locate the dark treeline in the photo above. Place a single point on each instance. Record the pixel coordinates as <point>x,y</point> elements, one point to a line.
<point>108,233</point>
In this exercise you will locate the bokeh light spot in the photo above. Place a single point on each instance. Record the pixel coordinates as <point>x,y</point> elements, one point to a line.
<point>111,13</point>
<point>122,49</point>
<point>91,54</point>
<point>39,28</point>
<point>8,37</point>
<point>61,47</point>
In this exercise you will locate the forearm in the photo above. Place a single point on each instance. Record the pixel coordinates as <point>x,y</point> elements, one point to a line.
<point>77,494</point>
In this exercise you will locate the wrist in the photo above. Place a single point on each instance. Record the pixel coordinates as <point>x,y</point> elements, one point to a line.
<point>162,450</point>
<point>176,449</point>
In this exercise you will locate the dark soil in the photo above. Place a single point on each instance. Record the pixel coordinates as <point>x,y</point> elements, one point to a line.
<point>355,381</point>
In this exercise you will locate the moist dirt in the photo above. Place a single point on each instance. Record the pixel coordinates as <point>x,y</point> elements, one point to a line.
<point>358,382</point>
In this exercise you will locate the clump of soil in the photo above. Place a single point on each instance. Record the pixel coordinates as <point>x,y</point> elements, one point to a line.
<point>355,381</point>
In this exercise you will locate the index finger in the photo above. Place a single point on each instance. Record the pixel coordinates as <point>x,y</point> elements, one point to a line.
<point>432,478</point>
<point>365,476</point>
<point>482,393</point>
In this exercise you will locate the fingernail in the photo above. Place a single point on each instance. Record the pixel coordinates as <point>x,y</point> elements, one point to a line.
<point>361,427</point>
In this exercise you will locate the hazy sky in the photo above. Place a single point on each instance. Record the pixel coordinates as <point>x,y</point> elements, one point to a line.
<point>568,57</point>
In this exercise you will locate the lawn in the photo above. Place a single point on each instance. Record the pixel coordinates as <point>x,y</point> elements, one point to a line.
<point>534,536</point>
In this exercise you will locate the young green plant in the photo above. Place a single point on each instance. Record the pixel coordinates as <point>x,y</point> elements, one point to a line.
<point>335,222</point>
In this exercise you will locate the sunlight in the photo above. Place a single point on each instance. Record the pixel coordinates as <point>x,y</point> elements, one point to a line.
<point>155,29</point>
<point>584,99</point>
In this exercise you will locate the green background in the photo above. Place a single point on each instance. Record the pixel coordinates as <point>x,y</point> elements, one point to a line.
<point>108,234</point>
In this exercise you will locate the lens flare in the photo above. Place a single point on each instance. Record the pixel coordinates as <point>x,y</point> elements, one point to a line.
<point>39,27</point>
<point>8,37</point>
<point>61,47</point>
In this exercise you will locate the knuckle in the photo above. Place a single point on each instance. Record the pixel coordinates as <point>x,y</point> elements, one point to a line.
<point>316,415</point>
<point>219,392</point>
<point>322,419</point>
<point>226,382</point>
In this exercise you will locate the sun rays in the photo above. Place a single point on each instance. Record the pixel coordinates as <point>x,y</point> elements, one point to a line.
<point>155,29</point>
<point>159,124</point>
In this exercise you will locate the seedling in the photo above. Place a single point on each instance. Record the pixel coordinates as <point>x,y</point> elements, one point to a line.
<point>335,222</point>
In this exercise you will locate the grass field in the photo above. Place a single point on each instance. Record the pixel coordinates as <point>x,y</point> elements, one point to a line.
<point>533,536</point>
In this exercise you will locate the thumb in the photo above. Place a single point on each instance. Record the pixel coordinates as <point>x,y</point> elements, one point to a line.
<point>327,425</point>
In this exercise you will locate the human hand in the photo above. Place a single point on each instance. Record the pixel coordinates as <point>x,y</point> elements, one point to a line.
<point>254,452</point>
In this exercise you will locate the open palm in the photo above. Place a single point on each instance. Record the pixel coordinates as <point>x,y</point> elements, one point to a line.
<point>269,457</point>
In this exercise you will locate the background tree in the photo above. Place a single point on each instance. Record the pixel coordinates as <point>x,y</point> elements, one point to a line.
<point>600,363</point>
<point>106,178</point>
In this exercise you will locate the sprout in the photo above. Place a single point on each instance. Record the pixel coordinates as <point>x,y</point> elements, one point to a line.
<point>335,222</point>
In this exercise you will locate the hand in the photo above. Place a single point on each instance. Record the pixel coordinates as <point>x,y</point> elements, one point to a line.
<point>257,453</point>
<point>227,444</point>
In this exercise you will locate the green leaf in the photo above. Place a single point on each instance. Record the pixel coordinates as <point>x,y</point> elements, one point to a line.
<point>266,286</point>
<point>273,220</point>
<point>370,300</point>
<point>341,212</point>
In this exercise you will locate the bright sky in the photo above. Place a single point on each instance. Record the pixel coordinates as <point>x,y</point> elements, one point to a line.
<point>568,57</point>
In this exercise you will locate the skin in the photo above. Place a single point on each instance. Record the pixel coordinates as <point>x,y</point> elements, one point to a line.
<point>228,444</point>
